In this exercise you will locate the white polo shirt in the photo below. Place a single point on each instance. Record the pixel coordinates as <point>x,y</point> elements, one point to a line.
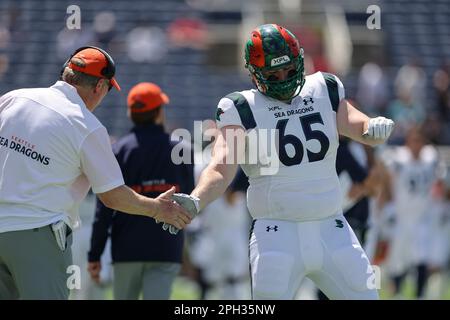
<point>52,150</point>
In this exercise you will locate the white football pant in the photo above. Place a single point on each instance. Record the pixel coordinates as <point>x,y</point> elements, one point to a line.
<point>326,251</point>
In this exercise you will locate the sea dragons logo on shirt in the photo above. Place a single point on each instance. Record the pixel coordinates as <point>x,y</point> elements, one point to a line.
<point>26,148</point>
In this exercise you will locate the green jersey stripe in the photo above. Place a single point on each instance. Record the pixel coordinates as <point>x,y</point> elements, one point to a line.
<point>243,108</point>
<point>332,87</point>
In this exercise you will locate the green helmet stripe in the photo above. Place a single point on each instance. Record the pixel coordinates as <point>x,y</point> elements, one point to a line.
<point>274,45</point>
<point>332,87</point>
<point>271,43</point>
<point>244,110</point>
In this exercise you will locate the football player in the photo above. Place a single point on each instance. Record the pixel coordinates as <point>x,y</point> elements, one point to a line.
<point>299,229</point>
<point>415,169</point>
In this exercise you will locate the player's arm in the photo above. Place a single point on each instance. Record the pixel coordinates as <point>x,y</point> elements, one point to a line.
<point>356,125</point>
<point>361,181</point>
<point>228,148</point>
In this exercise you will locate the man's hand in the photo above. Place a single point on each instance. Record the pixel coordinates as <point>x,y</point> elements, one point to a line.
<point>94,269</point>
<point>356,191</point>
<point>169,211</point>
<point>379,128</point>
<point>190,203</point>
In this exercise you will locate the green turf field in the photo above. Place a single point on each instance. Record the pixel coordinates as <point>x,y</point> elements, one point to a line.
<point>185,289</point>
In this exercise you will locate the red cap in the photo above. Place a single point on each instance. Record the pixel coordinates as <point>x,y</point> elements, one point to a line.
<point>95,64</point>
<point>146,96</point>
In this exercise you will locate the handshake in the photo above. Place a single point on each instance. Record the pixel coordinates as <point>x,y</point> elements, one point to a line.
<point>190,203</point>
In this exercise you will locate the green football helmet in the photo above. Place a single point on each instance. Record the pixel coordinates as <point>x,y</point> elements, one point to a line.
<point>270,48</point>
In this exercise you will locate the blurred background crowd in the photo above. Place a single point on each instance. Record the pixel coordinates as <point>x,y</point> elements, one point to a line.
<point>193,49</point>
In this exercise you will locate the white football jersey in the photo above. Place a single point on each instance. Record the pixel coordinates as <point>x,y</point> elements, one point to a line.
<point>413,180</point>
<point>413,205</point>
<point>299,181</point>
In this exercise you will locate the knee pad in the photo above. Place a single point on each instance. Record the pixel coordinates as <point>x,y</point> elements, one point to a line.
<point>271,275</point>
<point>354,266</point>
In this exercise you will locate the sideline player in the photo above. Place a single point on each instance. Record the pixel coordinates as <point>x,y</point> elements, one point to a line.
<point>415,169</point>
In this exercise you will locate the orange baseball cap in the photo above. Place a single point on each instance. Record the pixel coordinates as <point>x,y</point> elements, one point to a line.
<point>97,63</point>
<point>146,96</point>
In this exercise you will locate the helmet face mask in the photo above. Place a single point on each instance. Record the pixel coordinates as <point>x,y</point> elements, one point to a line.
<point>272,48</point>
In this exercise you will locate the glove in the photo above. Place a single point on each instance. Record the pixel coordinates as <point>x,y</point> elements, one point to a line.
<point>166,226</point>
<point>379,128</point>
<point>190,203</point>
<point>172,229</point>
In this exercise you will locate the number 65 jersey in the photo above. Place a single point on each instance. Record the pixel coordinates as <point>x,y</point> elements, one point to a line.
<point>290,149</point>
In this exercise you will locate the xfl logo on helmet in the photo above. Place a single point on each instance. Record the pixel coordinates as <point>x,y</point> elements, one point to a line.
<point>279,60</point>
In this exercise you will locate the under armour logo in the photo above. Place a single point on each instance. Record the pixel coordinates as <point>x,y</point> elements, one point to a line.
<point>274,228</point>
<point>339,223</point>
<point>308,101</point>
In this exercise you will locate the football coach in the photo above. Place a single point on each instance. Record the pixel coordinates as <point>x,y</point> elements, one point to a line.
<point>52,150</point>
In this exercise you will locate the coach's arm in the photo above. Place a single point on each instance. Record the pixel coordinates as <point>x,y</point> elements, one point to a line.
<point>162,208</point>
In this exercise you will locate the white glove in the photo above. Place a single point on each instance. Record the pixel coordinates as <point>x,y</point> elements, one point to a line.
<point>380,128</point>
<point>190,203</point>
